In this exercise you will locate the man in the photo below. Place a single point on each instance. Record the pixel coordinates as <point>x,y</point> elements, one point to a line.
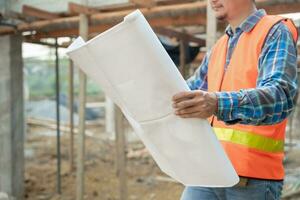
<point>246,86</point>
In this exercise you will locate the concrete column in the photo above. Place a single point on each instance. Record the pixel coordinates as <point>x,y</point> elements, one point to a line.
<point>211,27</point>
<point>11,117</point>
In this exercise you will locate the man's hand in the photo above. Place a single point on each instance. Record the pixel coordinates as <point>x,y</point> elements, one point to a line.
<point>195,104</point>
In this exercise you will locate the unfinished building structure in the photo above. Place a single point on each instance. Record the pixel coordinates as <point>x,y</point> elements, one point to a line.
<point>37,21</point>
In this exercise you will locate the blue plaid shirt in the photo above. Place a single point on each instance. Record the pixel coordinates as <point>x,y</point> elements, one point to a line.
<point>275,94</point>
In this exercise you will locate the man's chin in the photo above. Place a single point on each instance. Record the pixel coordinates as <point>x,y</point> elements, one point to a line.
<point>221,17</point>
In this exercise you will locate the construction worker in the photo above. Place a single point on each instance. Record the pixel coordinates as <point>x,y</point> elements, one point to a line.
<point>246,87</point>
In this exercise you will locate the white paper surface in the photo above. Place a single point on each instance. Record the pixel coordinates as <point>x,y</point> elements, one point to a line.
<point>135,71</point>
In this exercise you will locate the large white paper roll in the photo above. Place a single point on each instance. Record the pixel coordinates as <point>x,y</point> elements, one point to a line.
<point>135,71</point>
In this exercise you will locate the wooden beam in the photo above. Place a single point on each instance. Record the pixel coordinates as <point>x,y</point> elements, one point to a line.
<point>116,7</point>
<point>166,13</point>
<point>195,12</point>
<point>180,35</point>
<point>144,3</point>
<point>274,7</point>
<point>158,22</point>
<point>168,2</point>
<point>52,125</point>
<point>7,30</point>
<point>130,5</point>
<point>38,13</point>
<point>75,8</point>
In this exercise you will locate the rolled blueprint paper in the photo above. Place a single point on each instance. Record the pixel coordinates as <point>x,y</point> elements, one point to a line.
<point>134,70</point>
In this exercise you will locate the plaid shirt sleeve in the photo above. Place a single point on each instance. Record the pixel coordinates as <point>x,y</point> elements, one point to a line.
<point>275,95</point>
<point>199,80</point>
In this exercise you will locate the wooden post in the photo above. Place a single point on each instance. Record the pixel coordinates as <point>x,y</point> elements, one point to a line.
<point>182,50</point>
<point>211,27</point>
<point>71,114</point>
<point>83,31</point>
<point>120,153</point>
<point>110,118</point>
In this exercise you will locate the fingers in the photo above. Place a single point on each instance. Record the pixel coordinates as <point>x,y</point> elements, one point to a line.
<point>189,110</point>
<point>185,103</point>
<point>195,104</point>
<point>184,95</point>
<point>197,114</point>
<point>192,115</point>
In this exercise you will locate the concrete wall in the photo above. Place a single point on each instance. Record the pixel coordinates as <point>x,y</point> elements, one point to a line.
<point>11,117</point>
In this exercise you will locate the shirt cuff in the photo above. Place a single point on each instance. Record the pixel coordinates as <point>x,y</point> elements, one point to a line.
<point>228,106</point>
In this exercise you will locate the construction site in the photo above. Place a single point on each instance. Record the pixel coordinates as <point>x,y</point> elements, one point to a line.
<point>61,136</point>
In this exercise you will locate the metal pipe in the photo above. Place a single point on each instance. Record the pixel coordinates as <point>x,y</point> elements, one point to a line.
<point>71,102</point>
<point>58,186</point>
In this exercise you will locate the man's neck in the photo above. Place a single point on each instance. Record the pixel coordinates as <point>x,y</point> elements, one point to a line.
<point>235,22</point>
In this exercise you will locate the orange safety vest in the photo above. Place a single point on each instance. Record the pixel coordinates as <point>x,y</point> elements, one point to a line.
<point>255,151</point>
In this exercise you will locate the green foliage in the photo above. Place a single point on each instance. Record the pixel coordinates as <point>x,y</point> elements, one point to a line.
<point>40,78</point>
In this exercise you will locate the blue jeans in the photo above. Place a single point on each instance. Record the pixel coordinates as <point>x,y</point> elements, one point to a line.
<point>254,190</point>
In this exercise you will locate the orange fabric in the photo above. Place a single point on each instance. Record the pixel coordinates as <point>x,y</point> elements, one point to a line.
<point>242,73</point>
<point>290,24</point>
<point>253,163</point>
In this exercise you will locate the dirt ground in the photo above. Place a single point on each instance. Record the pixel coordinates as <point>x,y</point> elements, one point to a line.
<point>101,181</point>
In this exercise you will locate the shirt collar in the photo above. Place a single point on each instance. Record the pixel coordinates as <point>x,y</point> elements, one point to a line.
<point>248,24</point>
